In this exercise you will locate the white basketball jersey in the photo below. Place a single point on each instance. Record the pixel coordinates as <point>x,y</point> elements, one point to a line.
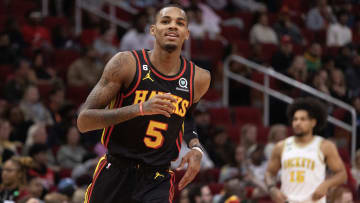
<point>302,170</point>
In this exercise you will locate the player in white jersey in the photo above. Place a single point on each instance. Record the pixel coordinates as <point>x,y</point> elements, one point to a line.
<point>303,158</point>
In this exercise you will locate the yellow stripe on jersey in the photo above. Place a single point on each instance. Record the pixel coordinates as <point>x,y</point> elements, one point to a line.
<point>111,106</point>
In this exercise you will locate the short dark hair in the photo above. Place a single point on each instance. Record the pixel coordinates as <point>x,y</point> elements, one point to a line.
<point>167,6</point>
<point>315,109</point>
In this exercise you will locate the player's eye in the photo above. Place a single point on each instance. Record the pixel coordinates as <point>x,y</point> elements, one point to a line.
<point>164,21</point>
<point>181,23</point>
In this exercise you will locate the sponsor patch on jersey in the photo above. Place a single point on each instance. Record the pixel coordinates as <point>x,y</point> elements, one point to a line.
<point>183,85</point>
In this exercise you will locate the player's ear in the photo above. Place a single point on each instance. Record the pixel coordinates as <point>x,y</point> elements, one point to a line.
<point>152,30</point>
<point>187,34</point>
<point>313,123</point>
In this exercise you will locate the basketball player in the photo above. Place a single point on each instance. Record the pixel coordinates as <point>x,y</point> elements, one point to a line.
<point>303,158</point>
<point>149,95</point>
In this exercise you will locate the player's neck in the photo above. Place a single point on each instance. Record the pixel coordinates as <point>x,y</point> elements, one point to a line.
<point>304,140</point>
<point>167,63</point>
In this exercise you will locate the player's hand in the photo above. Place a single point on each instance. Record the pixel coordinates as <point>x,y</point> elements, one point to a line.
<point>160,104</point>
<point>193,159</point>
<point>320,191</point>
<point>277,196</point>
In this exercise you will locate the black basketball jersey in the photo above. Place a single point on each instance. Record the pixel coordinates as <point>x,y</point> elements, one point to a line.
<point>153,139</point>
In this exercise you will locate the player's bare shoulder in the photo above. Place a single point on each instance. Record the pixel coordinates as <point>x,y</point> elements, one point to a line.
<point>279,148</point>
<point>202,82</point>
<point>327,147</point>
<point>121,68</point>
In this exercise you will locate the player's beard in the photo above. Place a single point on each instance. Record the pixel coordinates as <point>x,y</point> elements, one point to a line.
<point>301,134</point>
<point>169,48</point>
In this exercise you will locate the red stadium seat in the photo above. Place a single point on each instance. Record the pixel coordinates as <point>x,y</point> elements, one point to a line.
<point>248,115</point>
<point>216,188</point>
<point>220,115</point>
<point>77,94</point>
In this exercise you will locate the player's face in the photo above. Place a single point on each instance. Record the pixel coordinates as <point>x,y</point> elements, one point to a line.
<point>170,29</point>
<point>302,124</point>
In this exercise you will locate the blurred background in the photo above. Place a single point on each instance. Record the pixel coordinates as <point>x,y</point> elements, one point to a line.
<point>52,52</point>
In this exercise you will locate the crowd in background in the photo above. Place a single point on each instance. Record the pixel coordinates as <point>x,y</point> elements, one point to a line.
<point>46,72</point>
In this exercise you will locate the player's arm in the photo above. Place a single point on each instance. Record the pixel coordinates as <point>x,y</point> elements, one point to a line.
<point>274,165</point>
<point>272,170</point>
<point>193,157</point>
<point>118,74</point>
<point>335,164</point>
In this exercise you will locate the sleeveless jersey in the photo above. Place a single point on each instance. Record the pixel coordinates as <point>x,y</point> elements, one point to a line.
<point>152,139</point>
<point>303,170</point>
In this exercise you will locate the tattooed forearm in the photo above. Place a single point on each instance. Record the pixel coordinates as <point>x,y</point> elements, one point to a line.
<point>102,118</point>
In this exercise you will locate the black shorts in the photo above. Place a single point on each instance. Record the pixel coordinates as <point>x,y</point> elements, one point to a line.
<point>126,181</point>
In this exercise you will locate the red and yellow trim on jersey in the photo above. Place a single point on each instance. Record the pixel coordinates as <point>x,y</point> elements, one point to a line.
<point>158,74</point>
<point>139,76</point>
<point>101,164</point>
<point>191,82</point>
<point>115,103</point>
<point>172,187</point>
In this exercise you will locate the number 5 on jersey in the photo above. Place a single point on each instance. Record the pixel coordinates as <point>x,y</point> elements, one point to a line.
<point>154,138</point>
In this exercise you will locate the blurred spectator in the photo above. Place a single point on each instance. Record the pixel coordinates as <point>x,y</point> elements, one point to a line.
<point>328,63</point>
<point>7,148</point>
<point>321,82</point>
<point>221,148</point>
<point>35,33</point>
<point>338,85</point>
<point>355,170</point>
<point>137,37</point>
<point>20,125</point>
<point>339,33</point>
<point>83,173</point>
<point>86,70</point>
<point>233,192</point>
<point>184,196</point>
<point>355,102</point>
<point>198,28</point>
<point>250,5</point>
<point>64,37</point>
<point>104,45</point>
<point>35,188</point>
<point>217,4</point>
<point>36,135</point>
<point>12,29</point>
<point>313,57</point>
<point>236,87</point>
<point>44,73</point>
<point>33,109</point>
<point>66,187</point>
<point>200,194</point>
<point>344,57</point>
<point>79,196</point>
<point>209,17</point>
<point>283,57</point>
<point>237,166</point>
<point>353,75</point>
<point>14,178</point>
<point>202,121</point>
<point>256,54</point>
<point>261,32</point>
<point>277,132</point>
<point>319,17</point>
<point>39,154</point>
<point>341,194</point>
<point>248,135</point>
<point>256,171</point>
<point>7,53</point>
<point>298,69</point>
<point>23,76</point>
<point>56,101</point>
<point>284,27</point>
<point>55,197</point>
<point>71,154</point>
